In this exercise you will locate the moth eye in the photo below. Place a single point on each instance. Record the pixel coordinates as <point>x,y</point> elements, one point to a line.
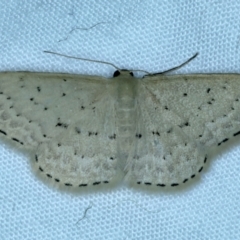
<point>116,73</point>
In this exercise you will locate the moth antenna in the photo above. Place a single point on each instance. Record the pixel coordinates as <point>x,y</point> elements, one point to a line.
<point>96,61</point>
<point>84,59</point>
<point>174,68</point>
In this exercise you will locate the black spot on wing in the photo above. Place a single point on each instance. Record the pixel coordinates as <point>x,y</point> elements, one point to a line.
<point>237,133</point>
<point>138,135</point>
<point>82,185</point>
<point>160,185</point>
<point>148,183</point>
<point>112,136</point>
<point>223,141</point>
<point>17,140</point>
<point>68,184</point>
<point>96,183</point>
<point>78,130</point>
<point>60,124</point>
<point>185,124</point>
<point>92,133</point>
<point>156,133</point>
<point>4,133</point>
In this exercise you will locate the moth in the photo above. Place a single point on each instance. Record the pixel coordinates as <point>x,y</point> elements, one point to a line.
<point>89,130</point>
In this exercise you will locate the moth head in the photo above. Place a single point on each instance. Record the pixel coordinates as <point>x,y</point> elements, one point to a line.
<point>122,71</point>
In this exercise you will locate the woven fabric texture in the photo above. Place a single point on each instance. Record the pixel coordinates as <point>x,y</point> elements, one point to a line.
<point>149,35</point>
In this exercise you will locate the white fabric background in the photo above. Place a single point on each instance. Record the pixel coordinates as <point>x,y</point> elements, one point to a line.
<point>149,35</point>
